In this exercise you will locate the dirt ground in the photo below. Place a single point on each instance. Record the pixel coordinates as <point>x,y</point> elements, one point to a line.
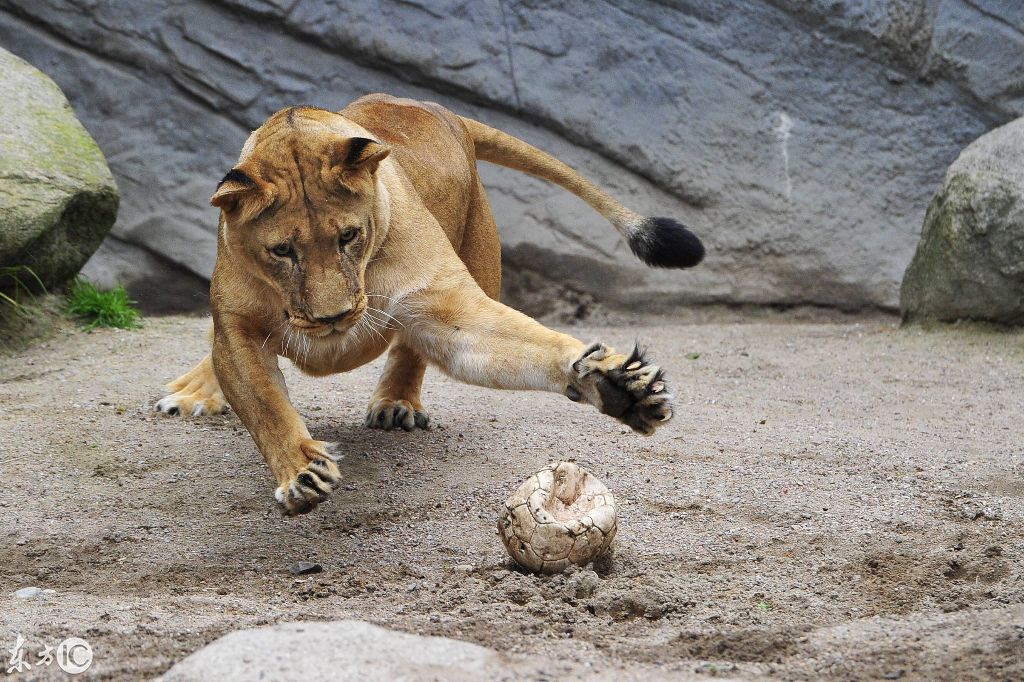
<point>834,498</point>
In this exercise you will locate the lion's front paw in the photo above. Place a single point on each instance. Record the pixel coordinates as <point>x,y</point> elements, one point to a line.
<point>312,483</point>
<point>196,393</point>
<point>385,413</point>
<point>631,389</point>
<point>198,404</point>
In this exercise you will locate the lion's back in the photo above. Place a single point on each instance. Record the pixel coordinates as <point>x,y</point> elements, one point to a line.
<point>433,148</point>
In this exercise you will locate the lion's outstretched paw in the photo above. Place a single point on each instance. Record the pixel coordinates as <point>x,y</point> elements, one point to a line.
<point>387,414</point>
<point>631,389</point>
<point>198,404</point>
<point>313,483</point>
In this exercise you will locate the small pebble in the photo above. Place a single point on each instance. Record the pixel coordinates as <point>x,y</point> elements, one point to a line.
<point>305,568</point>
<point>974,511</point>
<point>583,584</point>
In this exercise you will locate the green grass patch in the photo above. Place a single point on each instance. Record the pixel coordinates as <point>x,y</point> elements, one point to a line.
<point>102,308</point>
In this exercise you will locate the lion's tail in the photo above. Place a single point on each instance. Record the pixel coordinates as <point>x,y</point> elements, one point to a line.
<point>662,242</point>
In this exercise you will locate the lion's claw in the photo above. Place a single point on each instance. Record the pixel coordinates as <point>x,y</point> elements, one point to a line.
<point>196,393</point>
<point>631,389</point>
<point>312,484</point>
<point>387,414</point>
<point>198,404</point>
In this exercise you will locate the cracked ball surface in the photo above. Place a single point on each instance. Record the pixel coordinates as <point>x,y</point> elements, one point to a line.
<point>559,516</point>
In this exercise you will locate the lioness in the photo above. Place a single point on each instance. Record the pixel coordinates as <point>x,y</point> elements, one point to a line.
<point>343,235</point>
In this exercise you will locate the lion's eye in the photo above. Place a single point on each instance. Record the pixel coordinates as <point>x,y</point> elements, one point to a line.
<point>282,250</point>
<point>347,236</point>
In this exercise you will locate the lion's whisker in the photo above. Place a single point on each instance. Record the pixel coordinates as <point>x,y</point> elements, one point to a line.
<point>386,314</point>
<point>377,332</point>
<point>367,319</point>
<point>283,323</point>
<point>384,322</point>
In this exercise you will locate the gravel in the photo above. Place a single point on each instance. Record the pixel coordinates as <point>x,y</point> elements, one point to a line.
<point>802,515</point>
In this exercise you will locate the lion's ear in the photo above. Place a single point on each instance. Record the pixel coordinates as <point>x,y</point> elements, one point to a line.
<point>360,153</point>
<point>230,189</point>
<point>237,187</point>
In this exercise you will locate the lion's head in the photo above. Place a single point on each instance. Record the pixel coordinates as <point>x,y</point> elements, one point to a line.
<point>302,208</point>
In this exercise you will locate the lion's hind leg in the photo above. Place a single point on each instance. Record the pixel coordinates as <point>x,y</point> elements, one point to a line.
<point>196,393</point>
<point>396,402</point>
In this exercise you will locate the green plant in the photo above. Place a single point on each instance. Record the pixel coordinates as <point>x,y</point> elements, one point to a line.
<point>102,308</point>
<point>15,276</point>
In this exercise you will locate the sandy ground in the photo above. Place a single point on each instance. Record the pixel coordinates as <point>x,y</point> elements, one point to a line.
<point>837,498</point>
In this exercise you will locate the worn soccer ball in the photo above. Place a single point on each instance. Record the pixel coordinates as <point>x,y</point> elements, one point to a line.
<point>561,515</point>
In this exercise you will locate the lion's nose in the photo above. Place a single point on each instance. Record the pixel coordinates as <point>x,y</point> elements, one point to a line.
<point>331,319</point>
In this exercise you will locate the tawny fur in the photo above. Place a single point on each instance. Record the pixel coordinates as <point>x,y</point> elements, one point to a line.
<point>418,273</point>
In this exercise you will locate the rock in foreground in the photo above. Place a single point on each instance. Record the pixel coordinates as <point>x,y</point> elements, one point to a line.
<point>341,650</point>
<point>58,199</point>
<point>969,263</point>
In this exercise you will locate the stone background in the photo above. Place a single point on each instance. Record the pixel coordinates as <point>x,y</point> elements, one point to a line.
<point>801,139</point>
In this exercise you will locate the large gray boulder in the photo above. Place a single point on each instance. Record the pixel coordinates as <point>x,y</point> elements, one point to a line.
<point>969,263</point>
<point>58,199</point>
<point>802,139</point>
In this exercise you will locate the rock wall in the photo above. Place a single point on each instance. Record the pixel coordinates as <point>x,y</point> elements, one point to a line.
<point>801,139</point>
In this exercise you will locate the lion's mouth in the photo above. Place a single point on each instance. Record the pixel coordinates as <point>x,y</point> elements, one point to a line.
<point>317,330</point>
<point>322,331</point>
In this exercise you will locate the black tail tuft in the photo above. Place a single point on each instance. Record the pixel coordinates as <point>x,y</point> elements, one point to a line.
<point>666,243</point>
